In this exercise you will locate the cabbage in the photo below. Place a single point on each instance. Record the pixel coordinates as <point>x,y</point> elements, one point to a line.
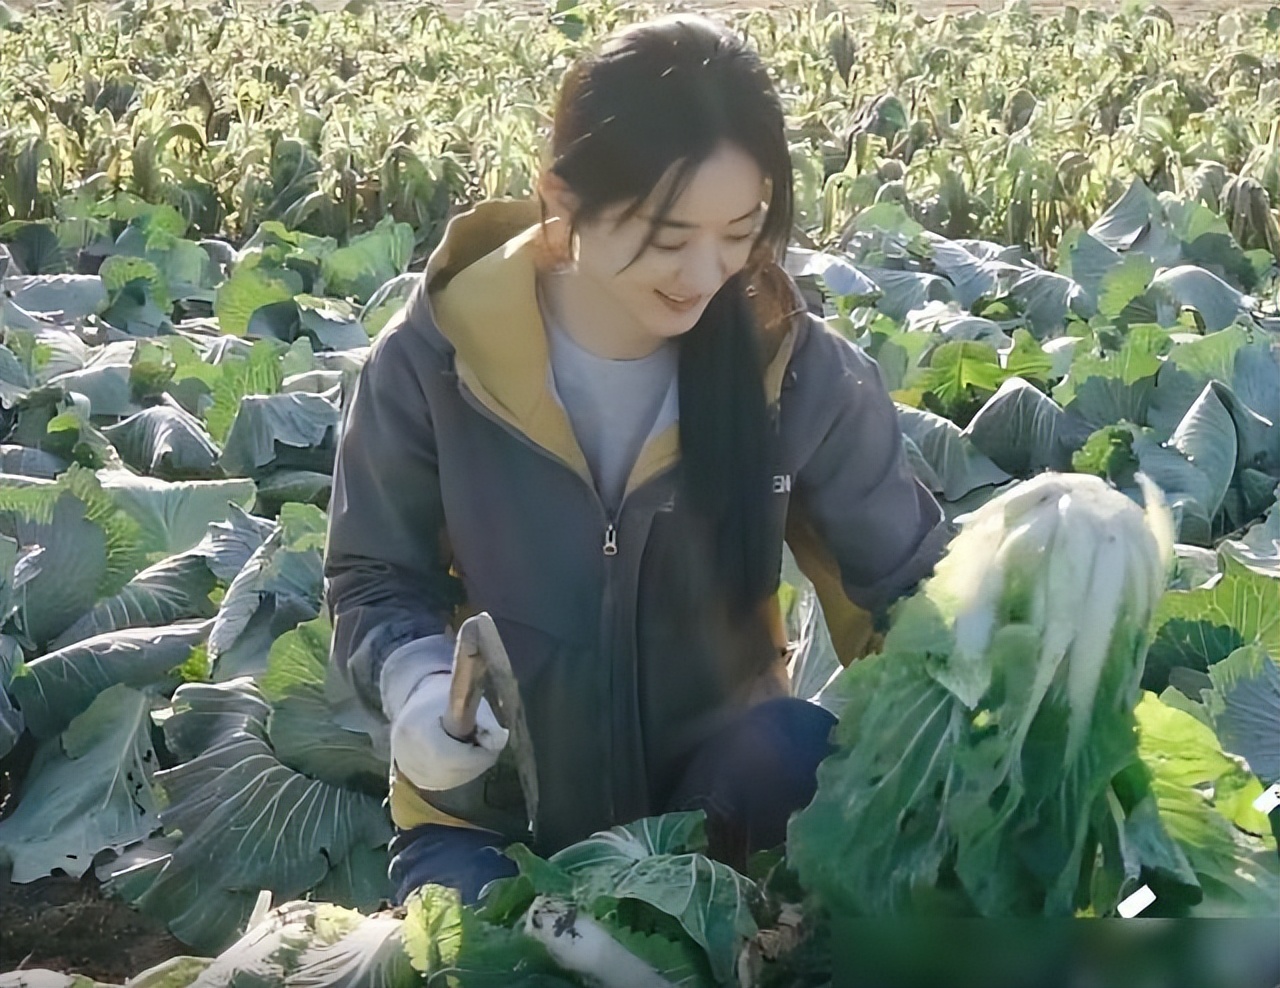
<point>987,759</point>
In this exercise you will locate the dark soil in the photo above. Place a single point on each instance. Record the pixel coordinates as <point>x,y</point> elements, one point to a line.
<point>68,925</point>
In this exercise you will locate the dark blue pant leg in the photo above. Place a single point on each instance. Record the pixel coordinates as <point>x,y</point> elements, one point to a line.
<point>458,857</point>
<point>752,775</point>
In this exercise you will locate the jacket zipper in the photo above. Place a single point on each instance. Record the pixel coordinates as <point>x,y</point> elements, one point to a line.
<point>610,543</point>
<point>609,548</point>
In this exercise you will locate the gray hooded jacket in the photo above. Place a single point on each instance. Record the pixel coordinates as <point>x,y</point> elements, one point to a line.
<point>459,487</point>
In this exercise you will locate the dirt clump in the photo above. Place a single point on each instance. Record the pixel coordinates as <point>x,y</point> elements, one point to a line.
<point>72,926</point>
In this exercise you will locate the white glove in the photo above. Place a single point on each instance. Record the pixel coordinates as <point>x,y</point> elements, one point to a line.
<point>415,684</point>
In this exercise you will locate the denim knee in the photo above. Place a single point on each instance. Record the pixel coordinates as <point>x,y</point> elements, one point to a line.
<point>760,769</point>
<point>461,858</point>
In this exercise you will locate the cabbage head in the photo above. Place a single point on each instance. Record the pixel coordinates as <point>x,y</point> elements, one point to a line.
<point>986,760</point>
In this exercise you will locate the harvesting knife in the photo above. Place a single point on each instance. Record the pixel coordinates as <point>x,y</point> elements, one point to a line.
<point>482,668</point>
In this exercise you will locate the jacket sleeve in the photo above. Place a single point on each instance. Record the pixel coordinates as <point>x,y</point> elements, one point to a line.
<point>861,526</point>
<point>387,579</point>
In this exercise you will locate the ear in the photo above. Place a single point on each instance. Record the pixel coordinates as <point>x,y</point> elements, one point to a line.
<point>559,198</point>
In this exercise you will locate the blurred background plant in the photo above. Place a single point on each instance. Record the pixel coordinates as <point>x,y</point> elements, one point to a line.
<point>1002,126</point>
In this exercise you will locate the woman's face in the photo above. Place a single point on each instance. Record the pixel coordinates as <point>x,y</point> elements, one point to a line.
<point>705,239</point>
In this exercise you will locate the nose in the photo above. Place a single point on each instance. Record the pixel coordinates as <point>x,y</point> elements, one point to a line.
<point>705,271</point>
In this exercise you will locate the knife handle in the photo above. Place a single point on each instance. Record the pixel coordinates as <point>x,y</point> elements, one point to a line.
<point>467,686</point>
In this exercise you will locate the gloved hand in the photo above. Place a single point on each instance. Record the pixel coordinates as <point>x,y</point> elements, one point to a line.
<point>415,684</point>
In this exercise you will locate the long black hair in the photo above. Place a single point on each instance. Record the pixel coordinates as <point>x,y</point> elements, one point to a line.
<point>660,98</point>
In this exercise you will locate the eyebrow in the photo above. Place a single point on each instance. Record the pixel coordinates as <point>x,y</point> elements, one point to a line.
<point>677,225</point>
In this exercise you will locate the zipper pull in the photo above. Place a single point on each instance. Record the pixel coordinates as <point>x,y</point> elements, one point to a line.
<point>610,540</point>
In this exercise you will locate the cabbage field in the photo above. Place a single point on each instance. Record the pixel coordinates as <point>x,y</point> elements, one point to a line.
<point>1059,236</point>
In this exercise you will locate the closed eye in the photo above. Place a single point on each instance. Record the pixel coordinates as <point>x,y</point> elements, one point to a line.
<point>675,247</point>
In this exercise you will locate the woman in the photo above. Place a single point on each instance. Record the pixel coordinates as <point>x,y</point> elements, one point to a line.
<point>596,419</point>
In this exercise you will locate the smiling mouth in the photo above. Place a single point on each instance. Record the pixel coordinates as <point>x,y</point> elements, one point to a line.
<point>679,304</point>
